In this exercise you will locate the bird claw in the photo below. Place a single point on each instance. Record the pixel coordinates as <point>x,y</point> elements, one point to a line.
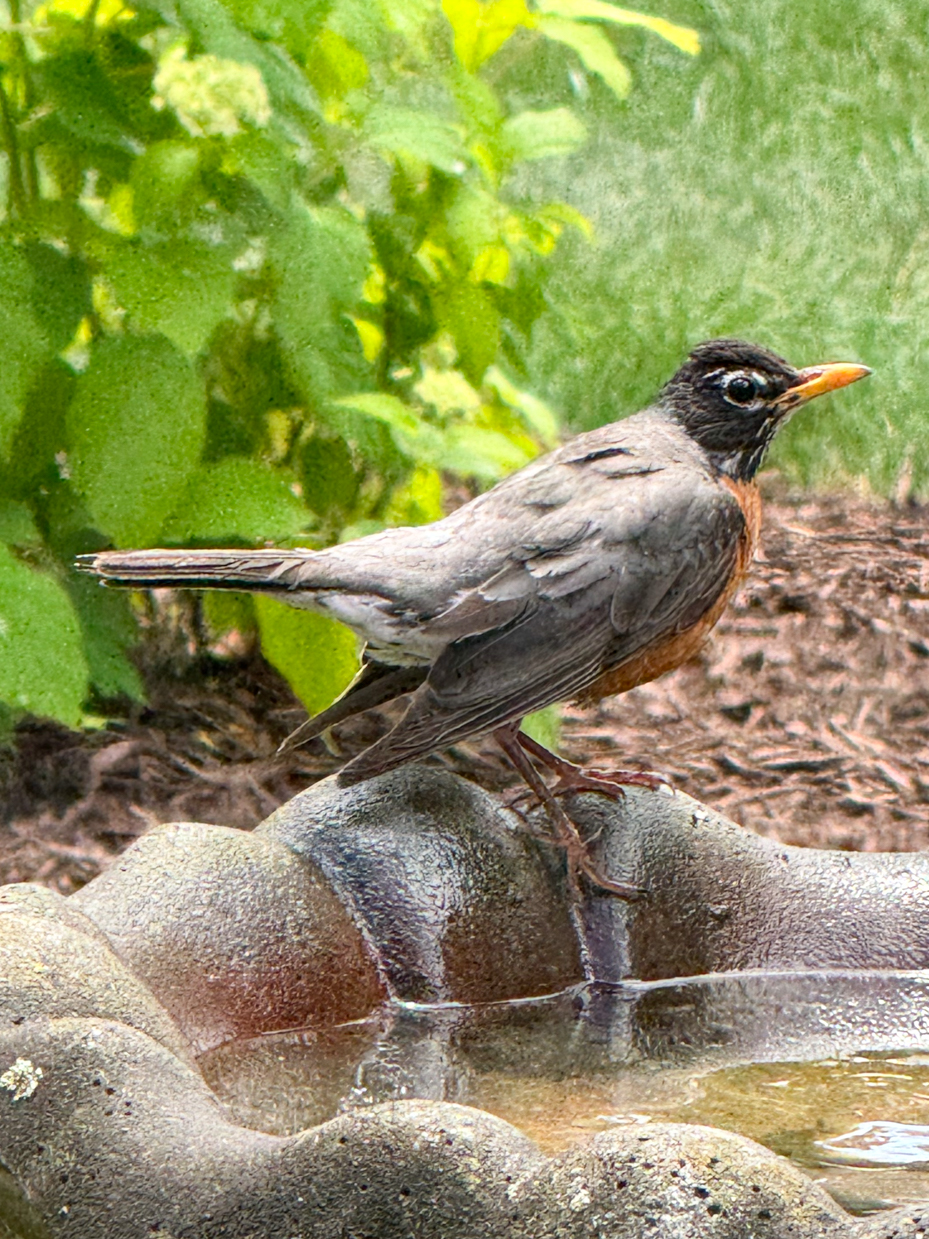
<point>608,783</point>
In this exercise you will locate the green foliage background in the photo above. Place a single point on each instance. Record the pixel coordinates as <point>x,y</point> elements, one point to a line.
<point>271,269</point>
<point>264,274</point>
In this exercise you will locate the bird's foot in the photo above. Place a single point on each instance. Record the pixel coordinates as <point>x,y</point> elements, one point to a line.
<point>564,832</point>
<point>573,778</point>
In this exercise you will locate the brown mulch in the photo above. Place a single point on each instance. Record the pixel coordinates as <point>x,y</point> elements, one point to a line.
<point>805,717</point>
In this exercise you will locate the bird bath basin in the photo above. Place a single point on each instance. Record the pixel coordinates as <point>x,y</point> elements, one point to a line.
<point>375,1014</point>
<point>827,1069</point>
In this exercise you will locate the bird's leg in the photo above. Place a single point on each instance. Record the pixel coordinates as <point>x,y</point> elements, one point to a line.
<point>572,778</point>
<point>566,834</point>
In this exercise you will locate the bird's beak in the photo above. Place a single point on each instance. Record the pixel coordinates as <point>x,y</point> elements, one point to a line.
<point>816,380</point>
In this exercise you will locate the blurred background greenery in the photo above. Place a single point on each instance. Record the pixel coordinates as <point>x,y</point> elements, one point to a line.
<point>283,269</point>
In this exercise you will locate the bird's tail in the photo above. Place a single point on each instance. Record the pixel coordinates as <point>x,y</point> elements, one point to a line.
<point>271,570</point>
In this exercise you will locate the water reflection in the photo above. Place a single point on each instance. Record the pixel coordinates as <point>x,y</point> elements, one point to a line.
<point>825,1068</point>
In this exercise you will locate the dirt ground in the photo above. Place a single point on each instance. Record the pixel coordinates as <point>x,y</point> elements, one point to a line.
<point>805,717</point>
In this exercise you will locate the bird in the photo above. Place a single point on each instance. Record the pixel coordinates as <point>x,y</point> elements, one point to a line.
<point>591,570</point>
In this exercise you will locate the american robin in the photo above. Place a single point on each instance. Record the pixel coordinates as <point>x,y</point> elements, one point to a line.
<point>593,569</point>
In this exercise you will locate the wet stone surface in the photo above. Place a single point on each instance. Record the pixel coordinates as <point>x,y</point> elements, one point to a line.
<point>270,1034</point>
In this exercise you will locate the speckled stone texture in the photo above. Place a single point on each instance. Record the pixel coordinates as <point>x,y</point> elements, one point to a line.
<point>418,887</point>
<point>675,1181</point>
<point>906,1223</point>
<point>721,898</point>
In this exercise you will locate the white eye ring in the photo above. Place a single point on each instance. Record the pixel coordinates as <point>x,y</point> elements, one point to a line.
<point>752,384</point>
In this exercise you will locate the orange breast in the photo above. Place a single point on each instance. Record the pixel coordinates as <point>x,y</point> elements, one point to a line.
<point>670,652</point>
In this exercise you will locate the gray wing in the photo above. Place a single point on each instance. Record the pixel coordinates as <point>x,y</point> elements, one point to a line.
<point>657,548</point>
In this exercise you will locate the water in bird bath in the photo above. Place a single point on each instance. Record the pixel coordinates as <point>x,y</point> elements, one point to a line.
<point>829,1069</point>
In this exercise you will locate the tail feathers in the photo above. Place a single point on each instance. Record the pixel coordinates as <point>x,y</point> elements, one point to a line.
<point>374,685</point>
<point>272,570</point>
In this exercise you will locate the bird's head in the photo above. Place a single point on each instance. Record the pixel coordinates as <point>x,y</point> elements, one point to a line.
<point>732,397</point>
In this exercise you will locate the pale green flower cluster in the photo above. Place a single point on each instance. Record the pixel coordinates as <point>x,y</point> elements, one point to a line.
<point>211,96</point>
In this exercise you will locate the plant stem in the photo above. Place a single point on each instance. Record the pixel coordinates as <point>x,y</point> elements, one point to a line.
<point>31,186</point>
<point>17,203</point>
<point>90,22</point>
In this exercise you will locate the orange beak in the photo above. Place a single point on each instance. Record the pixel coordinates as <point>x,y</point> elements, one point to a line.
<point>816,380</point>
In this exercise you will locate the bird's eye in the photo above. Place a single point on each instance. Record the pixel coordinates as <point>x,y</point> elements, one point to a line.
<point>740,389</point>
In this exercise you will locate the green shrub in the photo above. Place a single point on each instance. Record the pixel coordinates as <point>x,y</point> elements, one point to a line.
<point>264,274</point>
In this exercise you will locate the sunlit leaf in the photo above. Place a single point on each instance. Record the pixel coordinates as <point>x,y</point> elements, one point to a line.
<point>683,37</point>
<point>486,454</point>
<point>237,498</point>
<point>296,23</point>
<point>544,726</point>
<point>227,609</point>
<point>414,437</point>
<point>418,501</point>
<point>482,26</point>
<point>540,135</point>
<point>43,670</point>
<point>371,336</point>
<point>491,265</point>
<point>593,47</point>
<point>135,430</point>
<point>447,391</point>
<point>315,655</point>
<point>334,66</point>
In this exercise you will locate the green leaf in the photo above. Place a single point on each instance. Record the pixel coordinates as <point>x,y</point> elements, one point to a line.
<point>25,341</point>
<point>545,726</point>
<point>315,655</point>
<point>683,37</point>
<point>40,435</point>
<point>182,289</point>
<point>447,391</point>
<point>319,260</point>
<point>540,135</point>
<point>534,411</point>
<point>594,48</point>
<point>135,431</point>
<point>226,609</point>
<point>335,67</point>
<point>267,163</point>
<point>295,23</point>
<point>108,629</point>
<point>420,134</point>
<point>42,666</point>
<point>472,319</point>
<point>413,436</point>
<point>238,498</point>
<point>477,102</point>
<point>482,26</point>
<point>486,454</point>
<point>219,34</point>
<point>166,185</point>
<point>17,525</point>
<point>82,101</point>
<point>418,501</point>
<point>60,292</point>
<point>329,476</point>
